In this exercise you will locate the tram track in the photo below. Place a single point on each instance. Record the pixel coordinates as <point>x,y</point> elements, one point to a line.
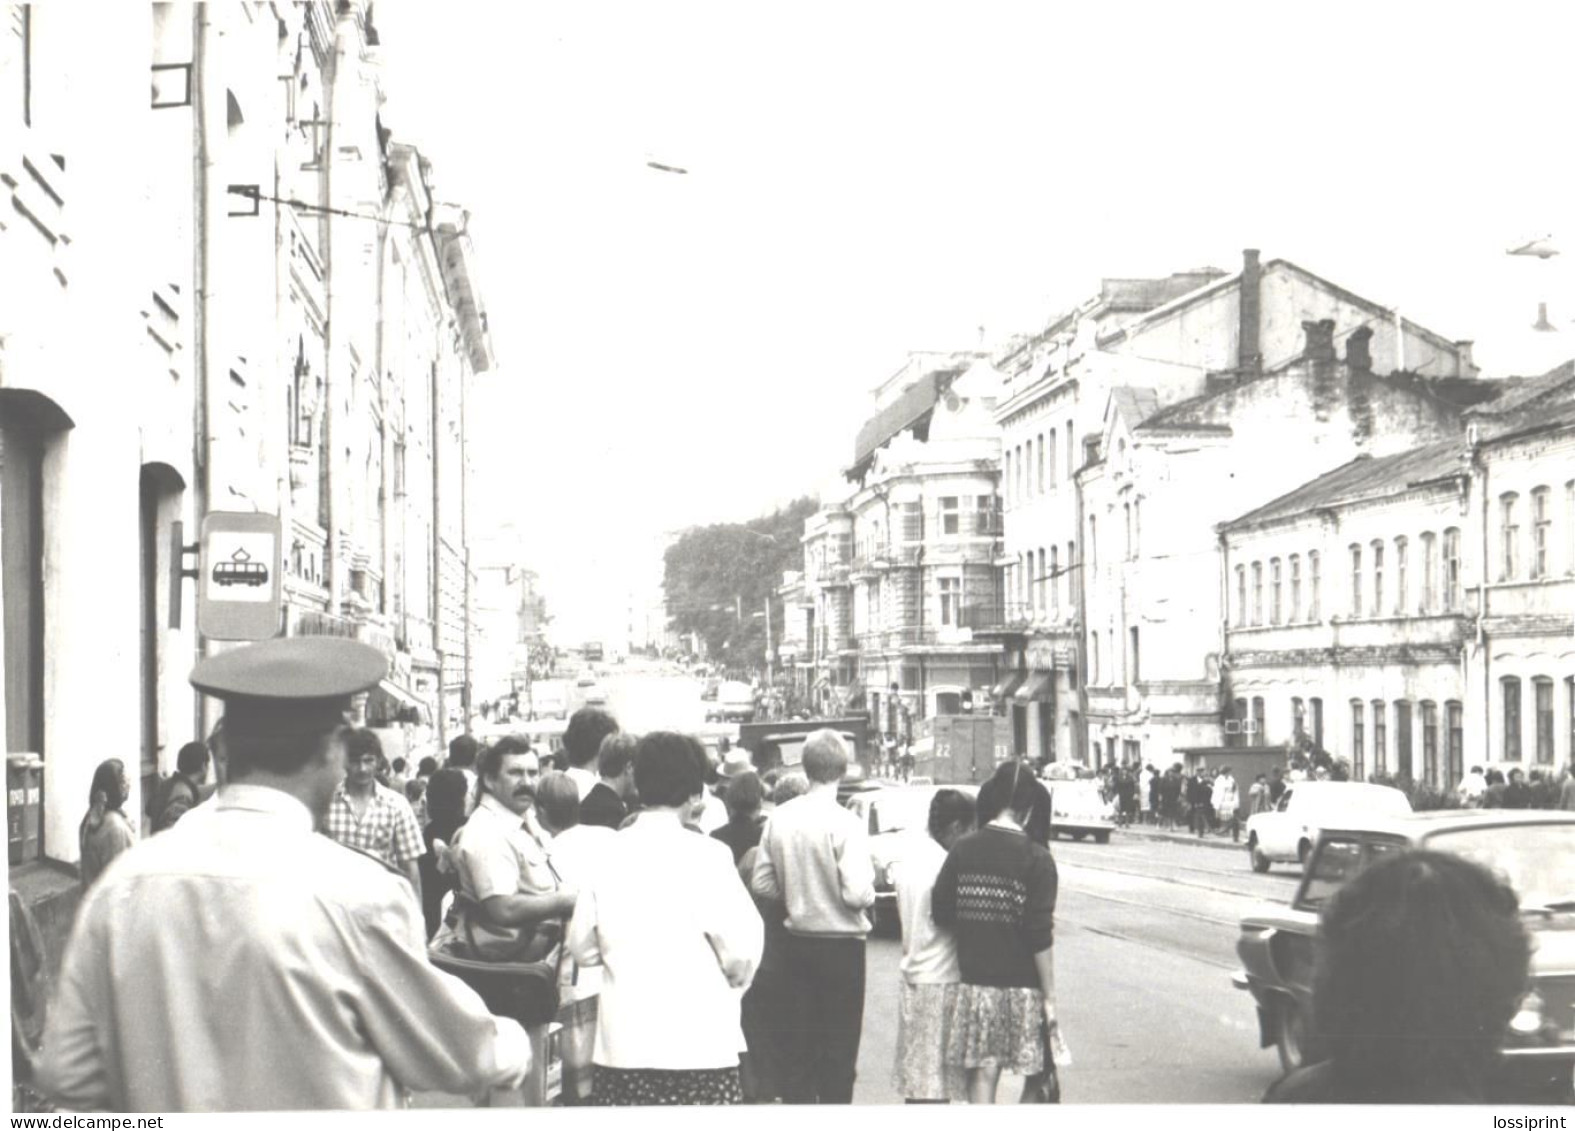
<point>1166,873</point>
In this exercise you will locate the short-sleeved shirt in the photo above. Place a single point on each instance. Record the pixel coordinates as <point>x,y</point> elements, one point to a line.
<point>495,854</point>
<point>387,828</point>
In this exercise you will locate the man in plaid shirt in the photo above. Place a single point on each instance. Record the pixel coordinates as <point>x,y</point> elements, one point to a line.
<point>369,817</point>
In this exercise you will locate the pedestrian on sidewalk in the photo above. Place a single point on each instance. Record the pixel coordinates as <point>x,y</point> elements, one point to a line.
<point>182,790</point>
<point>996,892</point>
<point>105,831</point>
<point>1258,795</point>
<point>368,816</point>
<point>240,961</point>
<point>927,1070</point>
<point>1226,801</point>
<point>1150,796</point>
<point>814,856</point>
<point>1170,792</point>
<point>1199,794</point>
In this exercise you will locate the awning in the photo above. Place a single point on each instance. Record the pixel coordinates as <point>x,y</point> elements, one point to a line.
<point>1008,685</point>
<point>1040,687</point>
<point>388,699</point>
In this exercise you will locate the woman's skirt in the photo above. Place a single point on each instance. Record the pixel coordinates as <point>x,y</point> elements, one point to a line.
<point>640,1087</point>
<point>927,1065</point>
<point>1000,1027</point>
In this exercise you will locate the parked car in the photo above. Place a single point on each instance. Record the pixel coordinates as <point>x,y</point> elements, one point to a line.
<point>1289,831</point>
<point>894,815</point>
<point>1533,850</point>
<point>1078,810</point>
<point>734,703</point>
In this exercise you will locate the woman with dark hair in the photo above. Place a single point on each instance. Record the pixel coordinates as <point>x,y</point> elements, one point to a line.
<point>1423,960</point>
<point>996,892</point>
<point>925,1072</point>
<point>445,805</point>
<point>105,831</point>
<point>668,919</point>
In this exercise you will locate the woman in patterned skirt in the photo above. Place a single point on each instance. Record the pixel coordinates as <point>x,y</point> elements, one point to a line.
<point>925,1071</point>
<point>996,893</point>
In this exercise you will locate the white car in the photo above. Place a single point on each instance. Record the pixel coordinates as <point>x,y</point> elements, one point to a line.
<point>1289,831</point>
<point>1078,810</point>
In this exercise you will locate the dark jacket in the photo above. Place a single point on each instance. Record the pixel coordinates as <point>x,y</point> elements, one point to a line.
<point>602,806</point>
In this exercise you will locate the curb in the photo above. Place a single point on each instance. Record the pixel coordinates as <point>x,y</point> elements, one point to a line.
<point>1184,838</point>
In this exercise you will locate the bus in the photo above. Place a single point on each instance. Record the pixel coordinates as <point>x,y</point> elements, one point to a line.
<point>593,652</point>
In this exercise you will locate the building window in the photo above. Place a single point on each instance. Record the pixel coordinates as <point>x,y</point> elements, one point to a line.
<point>1259,716</point>
<point>1134,655</point>
<point>1454,714</point>
<point>1315,711</point>
<point>1071,454</point>
<point>949,517</point>
<point>1430,743</point>
<point>1050,457</point>
<point>1054,580</point>
<point>1429,571</point>
<point>1380,738</point>
<point>1569,538</point>
<point>1039,464</point>
<point>1378,578</point>
<point>1093,659</point>
<point>1543,690</point>
<point>951,596</point>
<point>984,516</point>
<point>1358,739</point>
<point>1126,517</point>
<point>22,579</point>
<point>1006,478</point>
<point>1403,765</point>
<point>1276,588</point>
<point>1315,588</point>
<point>1511,692</point>
<point>1296,590</point>
<point>1092,557</point>
<point>1400,588</point>
<point>1541,531</point>
<point>1298,718</point>
<point>1356,582</point>
<point>1241,596</point>
<point>1044,580</point>
<point>1452,601</point>
<point>1509,532</point>
<point>1257,592</point>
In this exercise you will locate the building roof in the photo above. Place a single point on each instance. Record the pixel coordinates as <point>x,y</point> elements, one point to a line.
<point>913,406</point>
<point>1136,403</point>
<point>1363,478</point>
<point>1530,403</point>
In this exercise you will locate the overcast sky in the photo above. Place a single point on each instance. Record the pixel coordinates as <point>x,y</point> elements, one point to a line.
<point>865,179</point>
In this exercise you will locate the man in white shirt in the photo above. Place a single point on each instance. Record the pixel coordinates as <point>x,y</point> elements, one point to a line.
<point>1473,787</point>
<point>815,857</point>
<point>1226,801</point>
<point>242,962</point>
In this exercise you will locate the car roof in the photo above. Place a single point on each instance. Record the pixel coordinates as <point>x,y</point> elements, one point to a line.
<point>1416,826</point>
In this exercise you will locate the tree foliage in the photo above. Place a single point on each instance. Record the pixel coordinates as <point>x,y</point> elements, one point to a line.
<point>717,580</point>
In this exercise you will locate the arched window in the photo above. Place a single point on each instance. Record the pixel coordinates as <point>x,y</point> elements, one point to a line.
<point>1295,612</point>
<point>1276,589</point>
<point>1378,578</point>
<point>1429,571</point>
<point>1356,581</point>
<point>1510,693</point>
<point>1358,740</point>
<point>1257,593</point>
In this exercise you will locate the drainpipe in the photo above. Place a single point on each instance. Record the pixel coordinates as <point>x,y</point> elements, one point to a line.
<point>1224,549</point>
<point>1483,644</point>
<point>330,368</point>
<point>202,161</point>
<point>1081,738</point>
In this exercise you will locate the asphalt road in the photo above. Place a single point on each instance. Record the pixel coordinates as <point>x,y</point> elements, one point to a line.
<point>1145,945</point>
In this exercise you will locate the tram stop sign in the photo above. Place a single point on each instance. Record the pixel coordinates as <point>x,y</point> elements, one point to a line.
<point>239,590</point>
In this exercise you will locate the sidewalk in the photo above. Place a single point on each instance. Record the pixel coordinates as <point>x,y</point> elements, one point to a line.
<point>1181,836</point>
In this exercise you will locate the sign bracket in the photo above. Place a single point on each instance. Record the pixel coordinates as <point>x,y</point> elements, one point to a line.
<point>179,570</point>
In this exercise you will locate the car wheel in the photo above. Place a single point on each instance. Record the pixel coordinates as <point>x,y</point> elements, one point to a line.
<point>1102,836</point>
<point>1260,862</point>
<point>1292,1036</point>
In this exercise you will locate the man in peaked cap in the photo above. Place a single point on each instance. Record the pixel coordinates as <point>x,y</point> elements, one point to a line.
<point>241,961</point>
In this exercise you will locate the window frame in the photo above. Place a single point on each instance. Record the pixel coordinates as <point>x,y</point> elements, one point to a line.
<point>1511,720</point>
<point>1358,739</point>
<point>1509,537</point>
<point>1541,532</point>
<point>1276,591</point>
<point>1402,549</point>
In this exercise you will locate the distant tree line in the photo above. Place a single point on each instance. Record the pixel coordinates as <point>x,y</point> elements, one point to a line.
<point>717,578</point>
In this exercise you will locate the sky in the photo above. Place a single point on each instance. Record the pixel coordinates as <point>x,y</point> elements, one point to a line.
<point>866,179</point>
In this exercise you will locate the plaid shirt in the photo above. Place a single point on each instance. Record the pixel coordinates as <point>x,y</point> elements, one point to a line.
<point>387,829</point>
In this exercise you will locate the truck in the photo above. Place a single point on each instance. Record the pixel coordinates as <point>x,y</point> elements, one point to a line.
<point>962,749</point>
<point>780,742</point>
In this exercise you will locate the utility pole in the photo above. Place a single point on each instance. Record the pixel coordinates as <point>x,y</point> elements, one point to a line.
<point>768,644</point>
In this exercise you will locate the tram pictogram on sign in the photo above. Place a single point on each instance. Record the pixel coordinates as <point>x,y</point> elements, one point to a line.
<point>238,594</point>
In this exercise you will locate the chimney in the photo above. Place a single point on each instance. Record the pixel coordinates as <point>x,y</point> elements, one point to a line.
<point>1249,358</point>
<point>1320,340</point>
<point>1465,364</point>
<point>1358,350</point>
<point>1542,322</point>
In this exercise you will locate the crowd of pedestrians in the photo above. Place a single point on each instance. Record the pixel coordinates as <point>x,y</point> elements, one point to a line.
<point>238,960</point>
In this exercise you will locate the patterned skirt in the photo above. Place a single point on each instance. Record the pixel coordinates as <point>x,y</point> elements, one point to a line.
<point>928,1065</point>
<point>641,1087</point>
<point>1000,1026</point>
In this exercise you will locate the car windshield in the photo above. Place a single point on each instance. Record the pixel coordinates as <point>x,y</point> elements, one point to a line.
<point>902,811</point>
<point>1538,861</point>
